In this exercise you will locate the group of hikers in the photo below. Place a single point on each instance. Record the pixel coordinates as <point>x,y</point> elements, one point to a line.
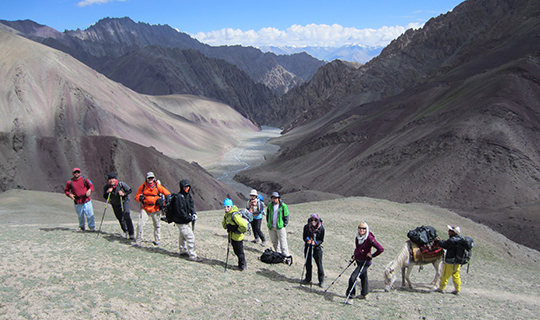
<point>152,197</point>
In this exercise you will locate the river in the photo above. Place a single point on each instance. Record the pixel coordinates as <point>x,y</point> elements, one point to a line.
<point>250,153</point>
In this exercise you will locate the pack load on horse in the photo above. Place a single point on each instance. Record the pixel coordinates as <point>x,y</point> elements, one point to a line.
<point>420,249</point>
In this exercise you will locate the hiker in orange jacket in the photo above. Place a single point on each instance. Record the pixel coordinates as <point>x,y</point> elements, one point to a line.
<point>149,195</point>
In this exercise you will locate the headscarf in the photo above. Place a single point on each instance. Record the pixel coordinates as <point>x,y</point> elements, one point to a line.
<point>313,229</point>
<point>363,238</point>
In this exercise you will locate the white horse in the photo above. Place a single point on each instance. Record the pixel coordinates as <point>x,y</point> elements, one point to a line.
<point>405,263</point>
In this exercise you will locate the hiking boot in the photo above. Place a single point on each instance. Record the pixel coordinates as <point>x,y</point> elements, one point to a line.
<point>195,259</point>
<point>132,237</point>
<point>305,281</point>
<point>92,229</point>
<point>255,241</point>
<point>157,243</point>
<point>350,302</point>
<point>184,254</point>
<point>81,229</point>
<point>455,292</point>
<point>439,290</point>
<point>362,297</point>
<point>321,284</point>
<point>263,244</point>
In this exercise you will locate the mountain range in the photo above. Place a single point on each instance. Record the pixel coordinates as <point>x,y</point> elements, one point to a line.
<point>351,53</point>
<point>157,60</point>
<point>446,114</point>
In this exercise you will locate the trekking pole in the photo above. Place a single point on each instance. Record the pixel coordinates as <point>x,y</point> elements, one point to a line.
<point>106,205</point>
<point>305,262</point>
<point>355,282</point>
<point>228,248</point>
<point>339,275</point>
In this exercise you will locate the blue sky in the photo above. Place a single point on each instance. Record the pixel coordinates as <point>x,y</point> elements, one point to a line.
<point>245,22</point>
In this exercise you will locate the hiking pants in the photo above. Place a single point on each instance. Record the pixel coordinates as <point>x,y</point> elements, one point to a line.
<point>257,232</point>
<point>363,279</point>
<point>451,270</point>
<point>279,240</point>
<point>85,210</point>
<point>186,240</point>
<point>238,248</point>
<point>317,256</point>
<point>143,217</point>
<point>124,218</point>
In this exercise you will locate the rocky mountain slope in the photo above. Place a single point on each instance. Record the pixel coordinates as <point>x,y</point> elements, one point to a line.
<point>57,114</point>
<point>447,115</point>
<point>170,62</point>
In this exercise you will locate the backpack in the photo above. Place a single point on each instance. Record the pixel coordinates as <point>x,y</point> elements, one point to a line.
<point>247,216</point>
<point>464,250</point>
<point>422,235</point>
<point>172,211</point>
<point>272,257</point>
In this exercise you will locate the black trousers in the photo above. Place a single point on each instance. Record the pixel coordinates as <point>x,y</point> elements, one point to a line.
<point>363,279</point>
<point>257,232</point>
<point>238,248</point>
<point>124,218</point>
<point>317,256</point>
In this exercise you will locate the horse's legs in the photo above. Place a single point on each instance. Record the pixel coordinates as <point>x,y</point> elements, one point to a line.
<point>409,270</point>
<point>437,266</point>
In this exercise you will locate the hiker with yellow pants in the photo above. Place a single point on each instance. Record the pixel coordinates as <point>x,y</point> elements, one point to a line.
<point>450,267</point>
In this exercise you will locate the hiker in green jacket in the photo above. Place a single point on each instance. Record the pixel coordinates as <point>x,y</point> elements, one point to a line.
<point>235,226</point>
<point>277,218</point>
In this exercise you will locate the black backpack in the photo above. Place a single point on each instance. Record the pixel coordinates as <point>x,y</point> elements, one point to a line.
<point>173,211</point>
<point>272,257</point>
<point>422,235</point>
<point>464,250</point>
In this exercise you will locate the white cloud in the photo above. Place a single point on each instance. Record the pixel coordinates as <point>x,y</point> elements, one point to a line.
<point>301,36</point>
<point>85,3</point>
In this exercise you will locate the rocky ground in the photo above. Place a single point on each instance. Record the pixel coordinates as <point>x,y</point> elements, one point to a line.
<point>49,270</point>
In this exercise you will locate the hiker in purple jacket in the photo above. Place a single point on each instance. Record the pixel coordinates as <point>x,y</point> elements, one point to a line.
<point>364,241</point>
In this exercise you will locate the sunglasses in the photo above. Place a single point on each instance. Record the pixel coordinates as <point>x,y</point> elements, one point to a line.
<point>227,207</point>
<point>362,228</point>
<point>76,171</point>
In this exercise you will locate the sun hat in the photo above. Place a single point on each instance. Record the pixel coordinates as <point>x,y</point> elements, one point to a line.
<point>253,192</point>
<point>456,229</point>
<point>275,195</point>
<point>111,175</point>
<point>75,169</point>
<point>150,175</point>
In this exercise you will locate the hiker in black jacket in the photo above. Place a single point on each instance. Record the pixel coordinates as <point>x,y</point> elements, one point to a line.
<point>182,215</point>
<point>185,188</point>
<point>118,194</point>
<point>450,267</point>
<point>313,237</point>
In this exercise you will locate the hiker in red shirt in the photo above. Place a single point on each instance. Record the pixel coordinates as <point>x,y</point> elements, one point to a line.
<point>149,195</point>
<point>79,189</point>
